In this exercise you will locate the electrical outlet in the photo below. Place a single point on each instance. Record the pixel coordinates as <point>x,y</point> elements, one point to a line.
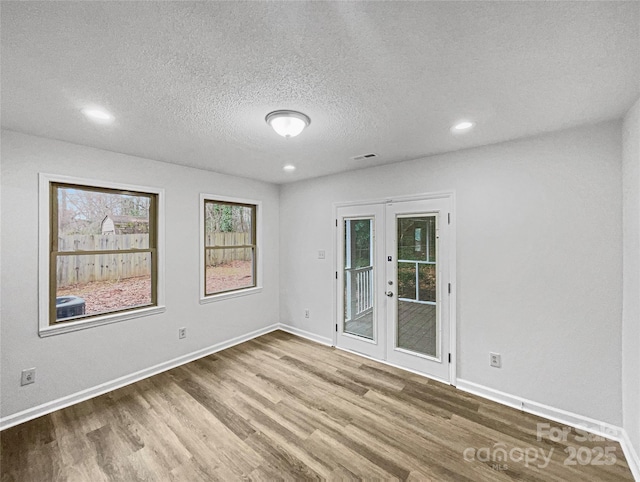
<point>321,254</point>
<point>28,376</point>
<point>306,313</point>
<point>496,360</point>
<point>182,333</point>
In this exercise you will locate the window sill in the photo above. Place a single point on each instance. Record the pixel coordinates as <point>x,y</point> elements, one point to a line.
<point>232,294</point>
<point>101,320</point>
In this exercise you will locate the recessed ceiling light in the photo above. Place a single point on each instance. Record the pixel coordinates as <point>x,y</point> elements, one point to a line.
<point>97,114</point>
<point>289,168</point>
<point>287,123</point>
<point>463,126</point>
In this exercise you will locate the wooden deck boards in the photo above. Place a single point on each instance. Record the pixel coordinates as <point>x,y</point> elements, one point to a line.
<point>283,408</point>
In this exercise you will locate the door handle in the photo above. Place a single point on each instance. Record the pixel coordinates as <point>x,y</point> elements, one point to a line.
<point>389,294</point>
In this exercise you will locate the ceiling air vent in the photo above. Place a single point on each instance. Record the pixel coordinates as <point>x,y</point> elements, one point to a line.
<point>364,156</point>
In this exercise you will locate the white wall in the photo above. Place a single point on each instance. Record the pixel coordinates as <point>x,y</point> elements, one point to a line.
<point>68,363</point>
<point>539,266</point>
<point>539,276</point>
<point>631,276</point>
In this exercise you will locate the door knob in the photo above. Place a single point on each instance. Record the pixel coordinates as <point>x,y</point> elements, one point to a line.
<point>389,294</point>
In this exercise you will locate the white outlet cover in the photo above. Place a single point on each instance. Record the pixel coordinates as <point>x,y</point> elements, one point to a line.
<point>495,360</point>
<point>321,254</point>
<point>28,376</point>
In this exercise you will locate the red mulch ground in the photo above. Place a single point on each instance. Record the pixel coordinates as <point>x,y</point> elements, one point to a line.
<point>102,296</point>
<point>233,275</point>
<point>105,296</point>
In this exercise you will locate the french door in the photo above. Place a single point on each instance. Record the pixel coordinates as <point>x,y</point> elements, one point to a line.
<point>393,283</point>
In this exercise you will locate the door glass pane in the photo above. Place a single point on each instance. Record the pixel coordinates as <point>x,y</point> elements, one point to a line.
<point>412,239</point>
<point>406,280</point>
<point>358,277</point>
<point>427,277</point>
<point>417,322</point>
<point>431,238</point>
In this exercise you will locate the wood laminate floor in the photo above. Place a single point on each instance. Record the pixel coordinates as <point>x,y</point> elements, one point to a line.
<point>281,407</point>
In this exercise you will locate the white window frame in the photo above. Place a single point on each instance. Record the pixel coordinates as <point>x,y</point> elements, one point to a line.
<point>243,291</point>
<point>44,326</point>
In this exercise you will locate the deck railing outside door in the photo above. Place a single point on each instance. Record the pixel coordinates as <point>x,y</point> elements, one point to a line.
<point>359,290</point>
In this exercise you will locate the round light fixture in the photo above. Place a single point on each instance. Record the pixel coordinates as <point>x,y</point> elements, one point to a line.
<point>287,123</point>
<point>463,126</point>
<point>98,115</point>
<point>289,168</point>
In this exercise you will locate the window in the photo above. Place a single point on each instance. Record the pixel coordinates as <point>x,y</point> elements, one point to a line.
<point>230,249</point>
<point>102,253</point>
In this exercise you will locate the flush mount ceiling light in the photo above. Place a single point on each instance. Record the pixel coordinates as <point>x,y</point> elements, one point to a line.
<point>98,115</point>
<point>289,168</point>
<point>463,126</point>
<point>287,123</point>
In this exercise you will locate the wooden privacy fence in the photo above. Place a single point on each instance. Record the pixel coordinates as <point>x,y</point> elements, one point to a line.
<point>98,242</point>
<point>215,257</point>
<point>78,268</point>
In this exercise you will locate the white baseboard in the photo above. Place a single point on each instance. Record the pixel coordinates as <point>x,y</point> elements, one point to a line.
<point>305,334</point>
<point>596,427</point>
<point>631,454</point>
<point>52,406</point>
<point>558,415</point>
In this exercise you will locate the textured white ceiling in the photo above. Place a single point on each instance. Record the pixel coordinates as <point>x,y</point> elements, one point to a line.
<point>191,82</point>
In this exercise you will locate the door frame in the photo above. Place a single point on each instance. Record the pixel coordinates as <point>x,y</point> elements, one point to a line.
<point>450,197</point>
